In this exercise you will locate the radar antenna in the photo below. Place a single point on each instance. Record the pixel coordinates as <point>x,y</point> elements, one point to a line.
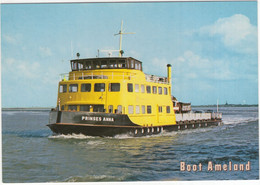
<point>120,41</point>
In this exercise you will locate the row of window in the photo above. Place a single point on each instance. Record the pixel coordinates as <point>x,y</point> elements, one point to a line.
<point>105,64</point>
<point>148,109</point>
<point>114,87</point>
<point>100,108</point>
<point>149,89</point>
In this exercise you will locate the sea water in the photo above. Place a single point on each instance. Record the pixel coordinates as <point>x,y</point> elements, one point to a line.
<point>31,153</point>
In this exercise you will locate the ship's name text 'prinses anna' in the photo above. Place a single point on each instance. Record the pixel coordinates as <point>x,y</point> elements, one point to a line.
<point>89,118</point>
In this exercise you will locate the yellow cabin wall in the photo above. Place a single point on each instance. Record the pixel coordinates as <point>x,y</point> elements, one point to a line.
<point>124,98</point>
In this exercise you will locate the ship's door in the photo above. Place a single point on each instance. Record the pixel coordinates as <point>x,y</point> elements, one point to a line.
<point>161,113</point>
<point>100,90</point>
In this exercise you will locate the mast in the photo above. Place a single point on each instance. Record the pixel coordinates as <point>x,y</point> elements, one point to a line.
<point>120,39</point>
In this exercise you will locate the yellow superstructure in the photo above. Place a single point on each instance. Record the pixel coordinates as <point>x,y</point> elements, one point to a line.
<point>117,85</point>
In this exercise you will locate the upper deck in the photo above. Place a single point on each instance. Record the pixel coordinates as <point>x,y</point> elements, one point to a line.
<point>106,63</point>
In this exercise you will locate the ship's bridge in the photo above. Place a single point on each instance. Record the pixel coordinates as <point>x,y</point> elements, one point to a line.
<point>106,63</point>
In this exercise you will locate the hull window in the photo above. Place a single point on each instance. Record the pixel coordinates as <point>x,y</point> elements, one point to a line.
<point>99,87</point>
<point>72,107</point>
<point>85,87</point>
<point>143,109</point>
<point>85,108</point>
<point>98,108</point>
<point>154,90</point>
<point>119,109</point>
<point>130,109</point>
<point>114,87</point>
<point>137,109</point>
<point>160,90</point>
<point>110,108</point>
<point>142,88</point>
<point>149,109</point>
<point>73,88</point>
<point>136,87</point>
<point>165,91</point>
<point>148,89</point>
<point>63,88</point>
<point>168,109</point>
<point>130,87</point>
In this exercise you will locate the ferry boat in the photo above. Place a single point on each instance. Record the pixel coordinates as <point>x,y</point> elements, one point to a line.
<point>107,96</point>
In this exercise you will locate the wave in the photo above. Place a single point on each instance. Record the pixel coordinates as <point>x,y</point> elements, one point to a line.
<point>238,120</point>
<point>11,113</point>
<point>92,178</point>
<point>70,136</point>
<point>28,133</point>
<point>118,136</point>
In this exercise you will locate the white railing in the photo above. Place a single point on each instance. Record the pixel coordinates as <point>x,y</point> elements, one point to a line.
<point>216,115</point>
<point>197,116</point>
<point>156,79</point>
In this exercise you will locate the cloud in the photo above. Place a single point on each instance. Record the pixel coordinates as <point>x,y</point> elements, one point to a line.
<point>13,68</point>
<point>236,33</point>
<point>192,66</point>
<point>9,39</point>
<point>45,51</point>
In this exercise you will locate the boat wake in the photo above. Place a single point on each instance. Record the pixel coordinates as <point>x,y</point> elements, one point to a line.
<point>96,178</point>
<point>70,136</point>
<point>238,120</point>
<point>119,136</point>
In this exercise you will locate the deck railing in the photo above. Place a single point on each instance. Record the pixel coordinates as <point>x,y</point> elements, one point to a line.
<point>156,79</point>
<point>84,76</point>
<point>197,116</point>
<point>123,76</point>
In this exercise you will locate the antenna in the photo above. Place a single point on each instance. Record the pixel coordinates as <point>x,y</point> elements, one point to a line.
<point>120,40</point>
<point>217,105</point>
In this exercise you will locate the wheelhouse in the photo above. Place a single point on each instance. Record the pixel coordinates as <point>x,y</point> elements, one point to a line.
<point>105,63</point>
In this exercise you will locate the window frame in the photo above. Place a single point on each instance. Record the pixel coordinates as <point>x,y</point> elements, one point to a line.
<point>110,87</point>
<point>160,90</point>
<point>143,109</point>
<point>160,109</point>
<point>95,87</point>
<point>85,84</point>
<point>130,109</point>
<point>168,109</point>
<point>71,88</point>
<point>149,109</point>
<point>165,91</point>
<point>63,85</point>
<point>154,89</point>
<point>72,106</point>
<point>148,87</point>
<point>128,87</point>
<point>137,109</point>
<point>81,108</point>
<point>137,89</point>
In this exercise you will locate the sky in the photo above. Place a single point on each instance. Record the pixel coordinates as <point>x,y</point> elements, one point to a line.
<point>212,47</point>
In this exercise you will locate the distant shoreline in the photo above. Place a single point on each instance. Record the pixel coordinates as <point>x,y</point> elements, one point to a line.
<point>27,109</point>
<point>49,108</point>
<point>229,105</point>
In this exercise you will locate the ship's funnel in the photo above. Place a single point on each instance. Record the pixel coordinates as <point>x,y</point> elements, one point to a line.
<point>169,73</point>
